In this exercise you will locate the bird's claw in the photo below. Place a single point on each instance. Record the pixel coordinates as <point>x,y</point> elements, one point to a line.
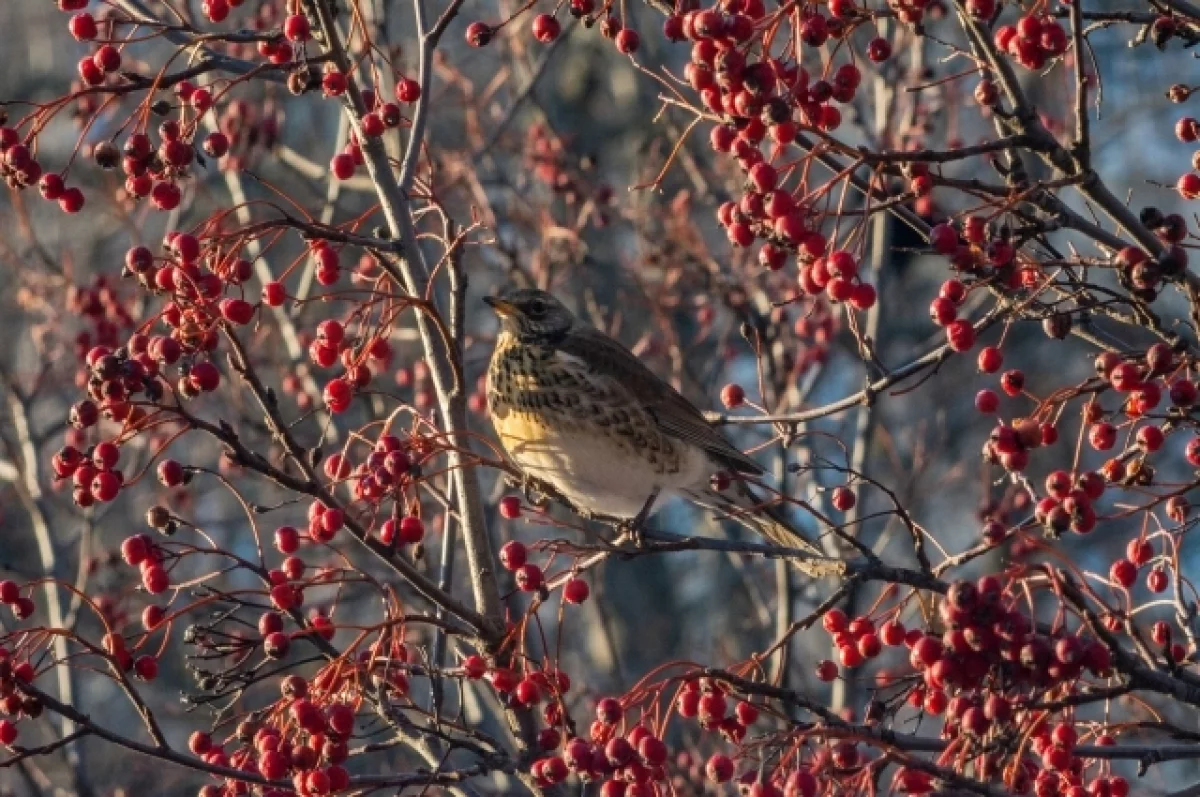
<point>635,526</point>
<point>533,493</point>
<point>631,531</point>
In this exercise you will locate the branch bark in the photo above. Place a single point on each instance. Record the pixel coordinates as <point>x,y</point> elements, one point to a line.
<point>29,488</point>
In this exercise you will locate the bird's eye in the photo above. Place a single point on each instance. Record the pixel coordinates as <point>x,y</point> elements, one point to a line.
<point>537,307</point>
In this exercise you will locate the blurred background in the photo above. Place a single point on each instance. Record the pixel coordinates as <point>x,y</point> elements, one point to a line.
<point>545,145</point>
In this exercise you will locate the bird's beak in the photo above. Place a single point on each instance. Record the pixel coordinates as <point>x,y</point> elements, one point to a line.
<point>501,307</point>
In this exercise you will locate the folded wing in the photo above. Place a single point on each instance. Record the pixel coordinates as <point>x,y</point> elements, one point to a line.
<point>674,414</point>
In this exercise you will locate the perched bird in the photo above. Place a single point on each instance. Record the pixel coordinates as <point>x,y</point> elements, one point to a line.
<point>579,412</point>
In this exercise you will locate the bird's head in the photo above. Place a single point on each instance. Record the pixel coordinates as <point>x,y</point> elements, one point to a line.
<point>532,316</point>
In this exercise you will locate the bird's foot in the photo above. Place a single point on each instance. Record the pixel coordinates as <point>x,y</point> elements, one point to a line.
<point>634,528</point>
<point>533,491</point>
<point>632,534</point>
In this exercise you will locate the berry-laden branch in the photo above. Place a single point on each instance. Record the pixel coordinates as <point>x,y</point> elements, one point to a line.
<point>140,15</point>
<point>413,277</point>
<point>308,484</point>
<point>29,488</point>
<point>444,357</point>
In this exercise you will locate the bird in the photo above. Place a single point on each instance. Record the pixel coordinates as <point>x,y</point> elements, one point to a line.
<point>577,411</point>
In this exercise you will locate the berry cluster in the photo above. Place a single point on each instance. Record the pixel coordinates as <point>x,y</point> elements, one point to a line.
<point>15,705</point>
<point>1033,41</point>
<point>305,739</point>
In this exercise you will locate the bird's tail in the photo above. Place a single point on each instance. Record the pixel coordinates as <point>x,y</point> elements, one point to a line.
<point>740,503</point>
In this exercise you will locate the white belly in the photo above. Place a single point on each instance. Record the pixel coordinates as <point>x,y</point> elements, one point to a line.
<point>600,477</point>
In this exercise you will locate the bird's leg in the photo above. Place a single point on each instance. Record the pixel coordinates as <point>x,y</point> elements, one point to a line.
<point>635,526</point>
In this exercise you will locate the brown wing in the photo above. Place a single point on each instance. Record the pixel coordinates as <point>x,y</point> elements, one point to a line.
<point>673,413</point>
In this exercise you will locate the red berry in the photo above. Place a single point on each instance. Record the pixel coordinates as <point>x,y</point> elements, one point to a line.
<point>850,656</point>
<point>944,239</point>
<point>609,711</point>
<point>296,28</point>
<point>510,507</point>
<point>152,617</point>
<point>412,530</point>
<point>863,296</point>
<point>283,597</point>
<point>216,145</point>
<point>237,311</point>
<point>165,196</point>
<point>83,26</point>
<point>205,377</point>
<point>576,591</point>
<point>107,58</point>
<point>763,176</point>
<point>316,782</point>
<point>146,667</point>
<point>105,486</point>
<point>1012,382</point>
<point>334,84</point>
<point>287,539</point>
<point>1150,438</point>
<point>1188,185</point>
<point>155,579</point>
<point>879,50</point>
<point>479,34</point>
<point>987,402</point>
<point>408,90</point>
<point>527,692</point>
<point>1102,436</point>
<point>135,549</point>
<point>513,555</point>
<point>71,200</point>
<point>892,633</point>
<point>529,577</point>
<point>953,290</point>
<point>843,499</point>
<point>835,620</point>
<point>337,395</point>
<point>10,593</point>
<point>1139,551</point>
<point>1192,452</point>
<point>373,125</point>
<point>927,651</point>
<point>733,395</point>
<point>713,707</point>
<point>105,455</point>
<point>474,667</point>
<point>869,645</point>
<point>51,186</point>
<point>628,41</point>
<point>342,165</point>
<point>747,713</point>
<point>990,360</point>
<point>273,294</point>
<point>546,28</point>
<point>1123,572</point>
<point>673,28</point>
<point>652,750</point>
<point>936,702</point>
<point>942,311</point>
<point>960,335</point>
<point>719,768</point>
